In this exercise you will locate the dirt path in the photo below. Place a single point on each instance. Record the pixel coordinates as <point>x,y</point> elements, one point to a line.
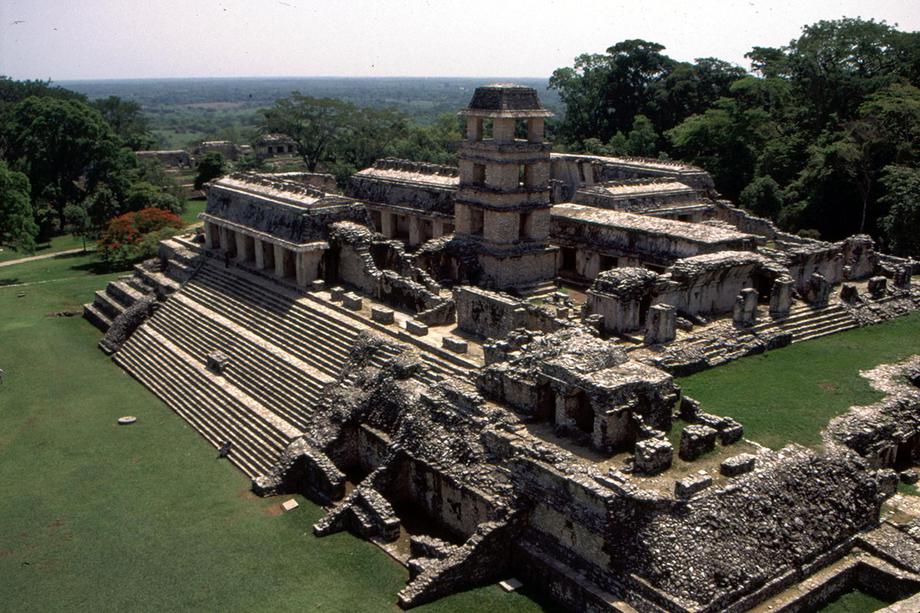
<point>41,257</point>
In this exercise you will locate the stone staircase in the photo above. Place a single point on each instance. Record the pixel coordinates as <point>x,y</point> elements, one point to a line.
<point>724,343</point>
<point>317,334</point>
<point>217,409</point>
<point>147,278</point>
<point>283,349</point>
<point>805,322</point>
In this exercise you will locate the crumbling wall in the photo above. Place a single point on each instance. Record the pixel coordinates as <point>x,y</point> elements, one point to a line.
<point>709,284</point>
<point>493,314</point>
<point>409,287</point>
<point>127,322</point>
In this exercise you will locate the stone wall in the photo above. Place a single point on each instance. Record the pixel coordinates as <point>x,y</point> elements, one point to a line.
<point>491,314</point>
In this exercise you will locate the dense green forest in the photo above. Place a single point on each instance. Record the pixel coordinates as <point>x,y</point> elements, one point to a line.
<point>821,135</point>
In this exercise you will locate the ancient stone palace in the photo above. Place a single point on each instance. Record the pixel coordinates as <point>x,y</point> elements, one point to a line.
<point>473,367</point>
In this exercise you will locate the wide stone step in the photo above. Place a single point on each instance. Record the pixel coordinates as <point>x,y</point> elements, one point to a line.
<point>250,295</point>
<point>123,292</point>
<point>321,355</point>
<point>184,406</point>
<point>96,317</point>
<point>107,304</point>
<point>209,410</point>
<point>818,333</point>
<point>279,386</point>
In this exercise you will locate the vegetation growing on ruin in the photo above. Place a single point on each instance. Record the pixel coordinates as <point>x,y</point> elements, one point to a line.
<point>789,396</point>
<point>103,517</point>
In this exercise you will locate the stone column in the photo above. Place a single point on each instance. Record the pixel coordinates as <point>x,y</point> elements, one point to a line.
<point>414,233</point>
<point>208,235</point>
<point>660,324</point>
<point>226,239</point>
<point>818,290</point>
<point>437,228</point>
<point>242,252</point>
<point>260,253</point>
<point>388,224</point>
<point>279,261</point>
<point>745,311</point>
<point>301,269</point>
<point>781,297</point>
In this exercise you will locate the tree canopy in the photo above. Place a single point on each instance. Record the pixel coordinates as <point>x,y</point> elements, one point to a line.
<point>805,139</point>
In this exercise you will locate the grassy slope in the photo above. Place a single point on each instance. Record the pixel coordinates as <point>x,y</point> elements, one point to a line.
<point>58,243</point>
<point>791,394</point>
<point>101,517</point>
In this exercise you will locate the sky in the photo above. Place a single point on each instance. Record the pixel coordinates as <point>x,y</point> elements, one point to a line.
<point>105,39</point>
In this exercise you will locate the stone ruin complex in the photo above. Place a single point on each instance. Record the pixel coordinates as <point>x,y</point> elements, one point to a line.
<point>473,367</point>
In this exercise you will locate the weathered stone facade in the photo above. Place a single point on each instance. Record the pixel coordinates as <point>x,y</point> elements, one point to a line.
<point>360,350</point>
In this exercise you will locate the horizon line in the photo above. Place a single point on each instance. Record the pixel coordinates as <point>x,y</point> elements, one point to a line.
<point>85,79</point>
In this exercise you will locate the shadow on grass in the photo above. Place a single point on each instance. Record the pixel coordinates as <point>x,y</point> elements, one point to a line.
<point>101,267</point>
<point>5,282</point>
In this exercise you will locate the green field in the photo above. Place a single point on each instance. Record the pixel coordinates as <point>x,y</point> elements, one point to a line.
<point>65,242</point>
<point>98,517</point>
<point>790,395</point>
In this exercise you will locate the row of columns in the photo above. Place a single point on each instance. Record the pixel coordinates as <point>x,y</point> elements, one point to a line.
<point>263,255</point>
<point>389,227</point>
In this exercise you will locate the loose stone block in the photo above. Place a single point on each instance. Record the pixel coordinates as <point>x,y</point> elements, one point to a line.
<point>511,585</point>
<point>382,315</point>
<point>660,324</point>
<point>730,432</point>
<point>318,285</point>
<point>818,290</point>
<point>738,465</point>
<point>781,297</point>
<point>352,301</point>
<point>337,293</point>
<point>877,287</point>
<point>909,477</point>
<point>653,456</point>
<point>457,345</point>
<point>687,487</point>
<point>695,441</point>
<point>218,361</point>
<point>289,505</point>
<point>849,293</point>
<point>416,327</point>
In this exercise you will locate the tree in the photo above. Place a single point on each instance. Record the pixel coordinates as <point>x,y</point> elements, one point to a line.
<point>66,149</point>
<point>144,195</point>
<point>210,167</point>
<point>17,224</point>
<point>902,198</point>
<point>313,123</point>
<point>135,235</point>
<point>127,120</point>
<point>77,222</point>
<point>642,139</point>
<point>762,196</point>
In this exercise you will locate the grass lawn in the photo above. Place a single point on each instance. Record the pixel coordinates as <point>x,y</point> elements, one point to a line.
<point>65,242</point>
<point>192,208</point>
<point>99,517</point>
<point>789,395</point>
<point>855,601</point>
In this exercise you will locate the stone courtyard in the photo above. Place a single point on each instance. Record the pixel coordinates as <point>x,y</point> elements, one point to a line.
<point>473,367</point>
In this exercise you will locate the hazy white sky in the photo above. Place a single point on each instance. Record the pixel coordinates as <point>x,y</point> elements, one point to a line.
<point>88,39</point>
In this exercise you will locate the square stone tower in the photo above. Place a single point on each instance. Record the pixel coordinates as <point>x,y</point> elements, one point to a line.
<point>503,201</point>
